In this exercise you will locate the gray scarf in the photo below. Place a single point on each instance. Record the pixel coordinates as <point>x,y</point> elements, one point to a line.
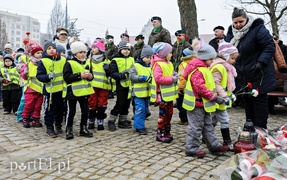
<point>238,34</point>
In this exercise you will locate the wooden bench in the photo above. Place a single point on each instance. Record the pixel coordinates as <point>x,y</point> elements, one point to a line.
<point>278,92</point>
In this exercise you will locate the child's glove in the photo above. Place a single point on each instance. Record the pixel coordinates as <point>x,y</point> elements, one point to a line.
<point>143,78</point>
<point>226,101</point>
<point>175,77</point>
<point>233,97</point>
<point>126,74</point>
<point>219,100</point>
<point>106,67</point>
<point>5,81</point>
<point>26,71</point>
<point>51,75</point>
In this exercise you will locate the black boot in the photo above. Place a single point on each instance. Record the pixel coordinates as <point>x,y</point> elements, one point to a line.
<point>111,123</point>
<point>26,123</point>
<point>51,132</point>
<point>226,138</point>
<point>91,122</point>
<point>123,122</point>
<point>100,124</point>
<point>36,122</point>
<point>59,130</point>
<point>84,131</point>
<point>69,133</point>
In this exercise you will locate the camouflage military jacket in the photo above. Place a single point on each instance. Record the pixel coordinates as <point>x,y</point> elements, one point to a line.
<point>161,35</point>
<point>137,50</point>
<point>111,50</point>
<point>177,53</point>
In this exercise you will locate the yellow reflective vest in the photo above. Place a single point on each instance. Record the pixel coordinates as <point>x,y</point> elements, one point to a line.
<point>83,86</point>
<point>124,64</point>
<point>141,89</point>
<point>168,91</point>
<point>100,79</point>
<point>56,66</point>
<point>224,81</point>
<point>189,98</point>
<point>33,82</point>
<point>10,74</point>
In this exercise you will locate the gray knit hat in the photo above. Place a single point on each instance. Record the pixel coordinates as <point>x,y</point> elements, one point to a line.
<point>146,51</point>
<point>49,43</point>
<point>124,44</point>
<point>206,52</point>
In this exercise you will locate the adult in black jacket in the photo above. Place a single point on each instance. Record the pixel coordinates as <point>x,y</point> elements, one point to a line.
<point>219,34</point>
<point>255,65</point>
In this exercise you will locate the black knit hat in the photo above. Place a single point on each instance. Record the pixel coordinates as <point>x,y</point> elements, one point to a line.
<point>49,43</point>
<point>218,27</point>
<point>140,36</point>
<point>179,32</point>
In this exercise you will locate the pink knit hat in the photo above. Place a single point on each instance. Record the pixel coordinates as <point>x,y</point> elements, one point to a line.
<point>226,49</point>
<point>162,49</point>
<point>100,45</point>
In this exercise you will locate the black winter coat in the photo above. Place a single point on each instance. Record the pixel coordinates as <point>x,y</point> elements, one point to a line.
<point>256,46</point>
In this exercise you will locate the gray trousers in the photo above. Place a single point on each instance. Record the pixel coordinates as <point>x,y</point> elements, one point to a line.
<point>199,122</point>
<point>222,117</point>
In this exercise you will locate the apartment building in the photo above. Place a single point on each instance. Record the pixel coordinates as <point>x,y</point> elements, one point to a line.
<point>17,26</point>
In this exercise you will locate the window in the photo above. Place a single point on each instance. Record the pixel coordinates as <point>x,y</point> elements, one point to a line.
<point>18,26</point>
<point>23,28</point>
<point>17,39</point>
<point>13,26</point>
<point>18,33</point>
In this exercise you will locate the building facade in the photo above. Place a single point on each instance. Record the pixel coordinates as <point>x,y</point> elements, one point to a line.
<point>17,26</point>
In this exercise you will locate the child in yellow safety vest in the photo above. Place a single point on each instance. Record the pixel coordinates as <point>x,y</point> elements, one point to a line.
<point>187,55</point>
<point>98,101</point>
<point>9,77</point>
<point>140,76</point>
<point>119,68</point>
<point>199,101</point>
<point>32,90</point>
<point>164,88</point>
<point>50,73</point>
<point>78,74</point>
<point>224,76</point>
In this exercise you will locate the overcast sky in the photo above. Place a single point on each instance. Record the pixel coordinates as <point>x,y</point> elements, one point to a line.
<point>95,16</point>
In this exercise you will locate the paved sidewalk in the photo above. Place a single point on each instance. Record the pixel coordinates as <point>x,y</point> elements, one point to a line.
<point>30,154</point>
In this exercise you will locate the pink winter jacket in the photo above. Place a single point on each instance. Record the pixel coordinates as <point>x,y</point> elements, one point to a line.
<point>157,72</point>
<point>231,71</point>
<point>198,82</point>
<point>23,76</point>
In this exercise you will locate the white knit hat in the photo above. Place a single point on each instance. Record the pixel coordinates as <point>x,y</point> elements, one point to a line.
<point>78,47</point>
<point>8,45</point>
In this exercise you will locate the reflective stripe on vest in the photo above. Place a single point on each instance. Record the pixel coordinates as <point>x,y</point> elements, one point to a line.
<point>124,64</point>
<point>10,74</point>
<point>33,82</point>
<point>81,87</point>
<point>224,81</point>
<point>189,98</point>
<point>100,79</point>
<point>56,66</point>
<point>141,89</point>
<point>168,92</point>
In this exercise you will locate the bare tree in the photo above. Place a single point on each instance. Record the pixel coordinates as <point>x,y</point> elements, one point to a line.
<point>57,18</point>
<point>188,17</point>
<point>3,34</point>
<point>272,11</point>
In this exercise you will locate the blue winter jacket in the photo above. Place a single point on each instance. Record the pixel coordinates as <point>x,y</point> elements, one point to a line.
<point>256,46</point>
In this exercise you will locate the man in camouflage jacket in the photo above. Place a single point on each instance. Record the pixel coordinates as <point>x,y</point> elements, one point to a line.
<point>180,44</point>
<point>159,33</point>
<point>111,48</point>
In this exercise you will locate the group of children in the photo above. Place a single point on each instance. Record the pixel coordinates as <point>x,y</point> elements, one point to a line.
<point>198,87</point>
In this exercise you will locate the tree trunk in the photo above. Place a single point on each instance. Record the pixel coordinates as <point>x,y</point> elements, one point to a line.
<point>188,17</point>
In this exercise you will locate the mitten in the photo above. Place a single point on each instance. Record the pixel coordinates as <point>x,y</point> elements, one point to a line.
<point>233,97</point>
<point>227,101</point>
<point>258,67</point>
<point>106,67</point>
<point>175,77</point>
<point>219,100</point>
<point>143,78</point>
<point>51,75</point>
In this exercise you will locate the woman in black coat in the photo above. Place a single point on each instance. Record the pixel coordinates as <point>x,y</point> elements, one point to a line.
<point>255,65</point>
